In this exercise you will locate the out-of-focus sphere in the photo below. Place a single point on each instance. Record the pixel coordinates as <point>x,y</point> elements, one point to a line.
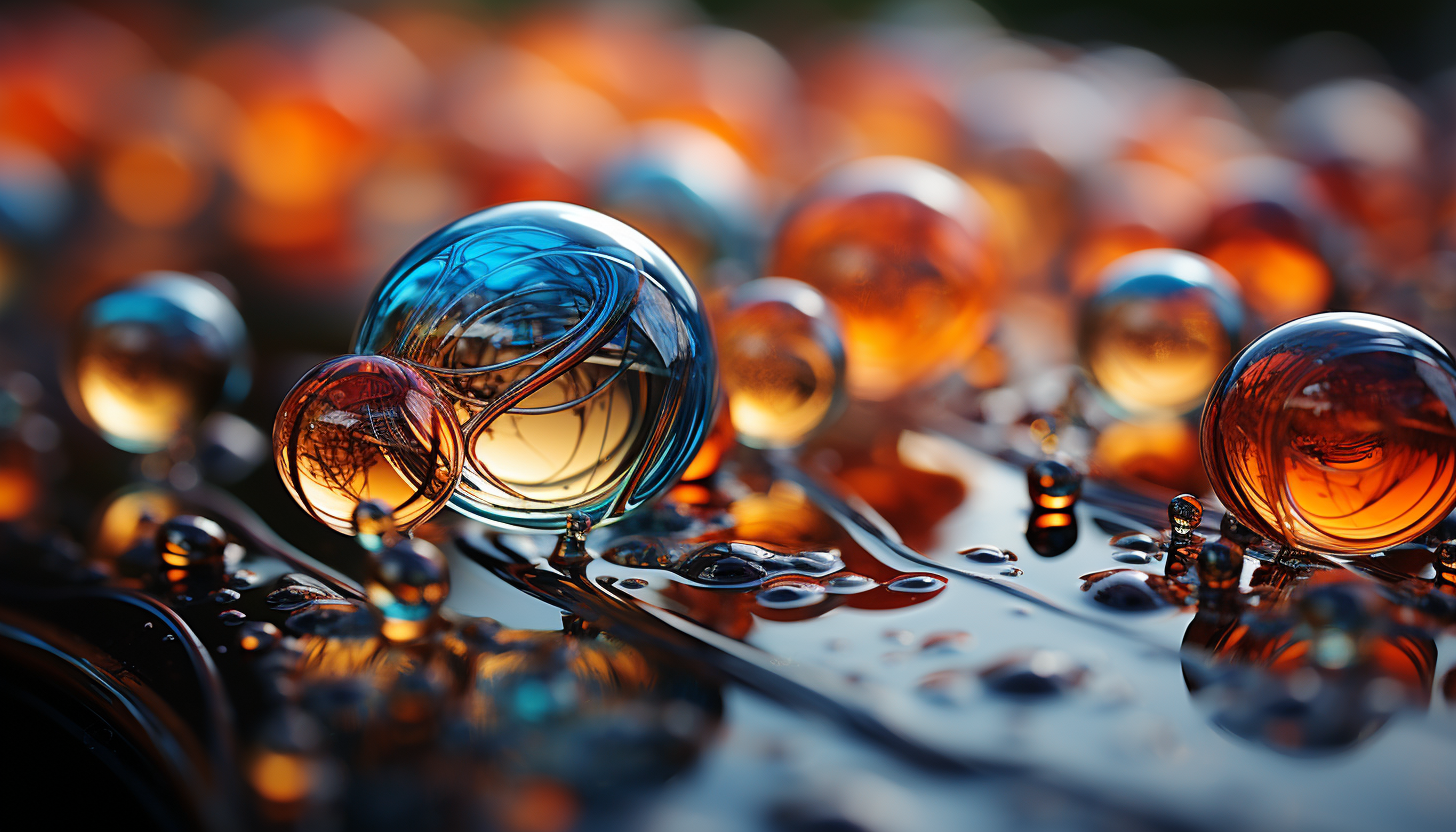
<point>1159,329</point>
<point>365,427</point>
<point>1335,433</point>
<point>899,246</point>
<point>148,361</point>
<point>574,353</point>
<point>782,360</point>
<point>408,580</point>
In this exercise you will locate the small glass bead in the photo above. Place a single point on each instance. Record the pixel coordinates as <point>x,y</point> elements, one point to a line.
<point>1053,485</point>
<point>574,353</point>
<point>1185,512</point>
<point>362,428</point>
<point>782,360</point>
<point>1335,433</point>
<point>408,581</point>
<point>148,361</point>
<point>899,247</point>
<point>1160,327</point>
<point>187,541</point>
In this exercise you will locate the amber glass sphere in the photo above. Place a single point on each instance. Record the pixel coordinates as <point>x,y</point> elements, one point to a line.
<point>147,361</point>
<point>899,246</point>
<point>1335,433</point>
<point>1160,327</point>
<point>782,360</point>
<point>362,428</point>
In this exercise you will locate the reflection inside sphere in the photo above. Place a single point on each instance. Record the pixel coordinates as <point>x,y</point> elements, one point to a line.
<point>1336,433</point>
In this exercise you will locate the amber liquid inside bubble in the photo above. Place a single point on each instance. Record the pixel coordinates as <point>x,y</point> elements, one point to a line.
<point>572,439</point>
<point>1157,355</point>
<point>912,286</point>
<point>140,392</point>
<point>780,379</point>
<point>348,434</point>
<point>1347,455</point>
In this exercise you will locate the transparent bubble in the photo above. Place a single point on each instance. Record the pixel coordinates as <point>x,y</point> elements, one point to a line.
<point>148,361</point>
<point>1159,329</point>
<point>782,361</point>
<point>364,427</point>
<point>573,351</point>
<point>899,247</point>
<point>1335,433</point>
<point>692,193</point>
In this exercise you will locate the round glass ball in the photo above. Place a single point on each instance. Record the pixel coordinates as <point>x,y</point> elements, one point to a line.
<point>146,362</point>
<point>572,350</point>
<point>1335,433</point>
<point>365,427</point>
<point>783,362</point>
<point>900,247</point>
<point>1160,327</point>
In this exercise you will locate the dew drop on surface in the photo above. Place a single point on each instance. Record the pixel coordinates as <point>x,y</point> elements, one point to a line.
<point>226,596</point>
<point>632,583</point>
<point>292,597</point>
<point>988,554</point>
<point>1037,674</point>
<point>232,618</point>
<point>1135,542</point>
<point>1132,557</point>
<point>169,637</point>
<point>1126,590</point>
<point>945,641</point>
<point>243,579</point>
<point>788,596</point>
<point>147,626</point>
<point>848,583</point>
<point>916,584</point>
<point>898,636</point>
<point>257,636</point>
<point>1012,572</point>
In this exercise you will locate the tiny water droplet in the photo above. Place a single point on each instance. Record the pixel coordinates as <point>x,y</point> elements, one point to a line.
<point>848,583</point>
<point>232,618</point>
<point>1131,557</point>
<point>791,595</point>
<point>221,648</point>
<point>945,641</point>
<point>226,596</point>
<point>147,626</point>
<point>169,637</point>
<point>988,554</point>
<point>1135,541</point>
<point>243,579</point>
<point>1012,572</point>
<point>898,636</point>
<point>633,583</point>
<point>916,583</point>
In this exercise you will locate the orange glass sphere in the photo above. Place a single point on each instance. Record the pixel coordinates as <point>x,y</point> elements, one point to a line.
<point>1335,433</point>
<point>899,247</point>
<point>782,362</point>
<point>1161,326</point>
<point>362,428</point>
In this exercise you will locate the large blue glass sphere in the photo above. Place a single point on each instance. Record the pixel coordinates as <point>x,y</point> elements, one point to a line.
<point>573,350</point>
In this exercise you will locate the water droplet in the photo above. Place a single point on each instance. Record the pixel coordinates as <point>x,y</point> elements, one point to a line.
<point>169,637</point>
<point>1126,590</point>
<point>257,636</point>
<point>1012,572</point>
<point>917,583</point>
<point>189,541</point>
<point>226,596</point>
<point>1132,557</point>
<point>147,626</point>
<point>297,595</point>
<point>633,583</point>
<point>1041,673</point>
<point>244,579</point>
<point>1135,541</point>
<point>232,618</point>
<point>787,596</point>
<point>1184,513</point>
<point>1053,485</point>
<point>988,554</point>
<point>898,636</point>
<point>849,583</point>
<point>945,641</point>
